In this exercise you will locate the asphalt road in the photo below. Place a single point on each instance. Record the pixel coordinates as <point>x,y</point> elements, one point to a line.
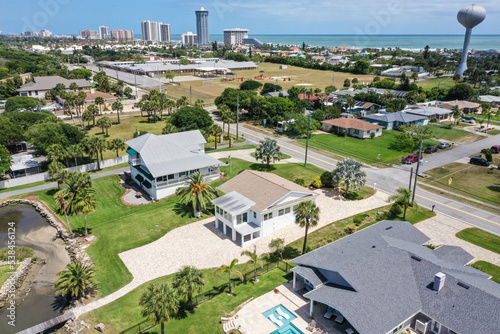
<point>389,179</point>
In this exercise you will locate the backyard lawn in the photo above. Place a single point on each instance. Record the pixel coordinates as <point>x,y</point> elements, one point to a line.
<point>489,268</point>
<point>478,182</point>
<point>364,150</point>
<point>481,238</point>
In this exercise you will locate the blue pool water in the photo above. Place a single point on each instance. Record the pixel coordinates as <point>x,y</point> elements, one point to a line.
<point>285,322</point>
<point>288,329</point>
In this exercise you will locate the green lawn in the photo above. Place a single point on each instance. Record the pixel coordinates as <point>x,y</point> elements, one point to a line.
<point>330,232</point>
<point>282,157</point>
<point>5,273</point>
<point>448,134</point>
<point>366,150</point>
<point>478,182</point>
<point>481,238</point>
<point>489,268</point>
<point>445,82</point>
<point>211,143</point>
<point>494,132</point>
<point>235,148</point>
<point>125,312</point>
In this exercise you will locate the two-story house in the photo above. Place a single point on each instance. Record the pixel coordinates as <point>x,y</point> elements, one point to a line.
<point>161,164</point>
<point>257,204</point>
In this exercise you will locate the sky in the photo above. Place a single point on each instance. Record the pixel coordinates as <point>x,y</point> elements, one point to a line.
<point>259,16</point>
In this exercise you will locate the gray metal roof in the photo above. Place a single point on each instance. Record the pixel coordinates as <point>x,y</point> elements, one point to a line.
<point>234,203</point>
<point>248,228</point>
<point>47,83</point>
<point>392,275</point>
<point>158,66</point>
<point>277,94</point>
<point>399,116</point>
<point>172,153</point>
<point>428,111</point>
<point>23,162</point>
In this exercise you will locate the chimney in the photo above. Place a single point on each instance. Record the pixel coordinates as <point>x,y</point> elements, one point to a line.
<point>439,281</point>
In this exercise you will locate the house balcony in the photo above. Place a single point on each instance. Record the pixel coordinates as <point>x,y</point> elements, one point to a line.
<point>134,161</point>
<point>176,181</point>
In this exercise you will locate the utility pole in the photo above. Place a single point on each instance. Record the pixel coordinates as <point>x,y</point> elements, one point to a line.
<point>418,165</point>
<point>307,138</point>
<point>237,116</point>
<point>411,176</point>
<point>190,95</point>
<point>135,84</point>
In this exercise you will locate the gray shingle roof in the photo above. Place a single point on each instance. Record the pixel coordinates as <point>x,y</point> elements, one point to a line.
<point>392,275</point>
<point>399,116</point>
<point>47,83</point>
<point>172,153</point>
<point>428,111</point>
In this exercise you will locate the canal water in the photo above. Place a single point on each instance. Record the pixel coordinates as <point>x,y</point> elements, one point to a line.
<point>39,301</point>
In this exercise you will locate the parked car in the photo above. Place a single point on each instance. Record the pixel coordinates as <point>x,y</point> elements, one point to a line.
<point>411,159</point>
<point>430,150</point>
<point>467,118</point>
<point>495,148</point>
<point>443,145</point>
<point>470,121</point>
<point>479,161</point>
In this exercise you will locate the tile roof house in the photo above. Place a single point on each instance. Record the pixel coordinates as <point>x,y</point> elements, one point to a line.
<point>161,164</point>
<point>257,204</point>
<point>383,279</point>
<point>352,127</point>
<point>41,85</point>
<point>395,120</point>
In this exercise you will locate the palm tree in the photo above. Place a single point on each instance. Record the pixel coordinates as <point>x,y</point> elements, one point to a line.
<point>94,111</point>
<point>116,144</point>
<point>88,116</point>
<point>99,101</point>
<point>160,304</point>
<point>306,215</point>
<point>228,117</point>
<point>182,102</point>
<point>85,203</point>
<point>487,113</point>
<point>215,130</point>
<point>197,192</point>
<point>403,197</point>
<point>348,172</point>
<point>74,152</point>
<point>456,112</point>
<point>54,169</point>
<point>118,107</point>
<point>255,260</point>
<point>278,246</point>
<point>104,123</point>
<point>188,281</point>
<point>127,91</point>
<point>230,270</point>
<point>100,145</point>
<point>268,151</point>
<point>62,198</point>
<point>75,280</point>
<point>73,86</point>
<point>56,152</point>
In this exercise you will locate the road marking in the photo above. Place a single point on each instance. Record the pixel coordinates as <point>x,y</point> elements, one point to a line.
<point>288,148</point>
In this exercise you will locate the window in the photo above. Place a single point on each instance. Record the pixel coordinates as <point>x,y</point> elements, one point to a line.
<point>281,212</point>
<point>268,216</point>
<point>435,327</point>
<point>356,131</point>
<point>165,178</point>
<point>241,219</point>
<point>287,210</point>
<point>255,215</point>
<point>181,174</point>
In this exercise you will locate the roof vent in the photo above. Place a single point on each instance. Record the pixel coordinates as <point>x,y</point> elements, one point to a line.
<point>439,281</point>
<point>463,285</point>
<point>388,228</point>
<point>416,258</point>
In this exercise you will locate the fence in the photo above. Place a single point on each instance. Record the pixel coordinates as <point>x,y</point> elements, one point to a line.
<point>45,176</point>
<point>214,292</point>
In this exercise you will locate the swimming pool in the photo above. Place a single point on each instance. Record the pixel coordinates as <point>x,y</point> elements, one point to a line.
<point>280,319</point>
<point>288,329</point>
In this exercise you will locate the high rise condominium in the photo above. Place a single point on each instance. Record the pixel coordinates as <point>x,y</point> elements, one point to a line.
<point>149,31</point>
<point>164,29</point>
<point>202,26</point>
<point>104,32</point>
<point>122,35</point>
<point>235,36</point>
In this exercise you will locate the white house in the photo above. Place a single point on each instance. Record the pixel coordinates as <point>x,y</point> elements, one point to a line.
<point>161,164</point>
<point>41,85</point>
<point>257,204</point>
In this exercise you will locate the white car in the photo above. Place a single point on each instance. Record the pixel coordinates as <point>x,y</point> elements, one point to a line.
<point>470,121</point>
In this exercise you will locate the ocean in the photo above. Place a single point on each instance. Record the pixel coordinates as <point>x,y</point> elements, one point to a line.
<point>411,42</point>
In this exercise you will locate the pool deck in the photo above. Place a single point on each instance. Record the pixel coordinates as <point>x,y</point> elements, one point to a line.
<point>252,321</point>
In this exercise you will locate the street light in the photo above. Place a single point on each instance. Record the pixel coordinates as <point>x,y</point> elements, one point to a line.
<point>307,138</point>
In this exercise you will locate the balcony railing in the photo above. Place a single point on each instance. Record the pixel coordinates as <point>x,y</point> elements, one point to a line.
<point>134,162</point>
<point>168,183</point>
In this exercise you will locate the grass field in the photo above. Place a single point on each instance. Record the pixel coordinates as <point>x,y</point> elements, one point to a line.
<point>364,150</point>
<point>445,83</point>
<point>235,148</point>
<point>283,156</point>
<point>481,238</point>
<point>208,90</point>
<point>489,268</point>
<point>451,134</point>
<point>5,273</point>
<point>494,132</point>
<point>478,182</point>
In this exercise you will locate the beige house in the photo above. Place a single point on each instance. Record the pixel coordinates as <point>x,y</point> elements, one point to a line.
<point>352,127</point>
<point>465,106</point>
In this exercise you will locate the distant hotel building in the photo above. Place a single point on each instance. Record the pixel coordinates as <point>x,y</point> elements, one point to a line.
<point>164,29</point>
<point>104,32</point>
<point>30,34</point>
<point>89,34</point>
<point>202,26</point>
<point>235,36</point>
<point>149,31</point>
<point>45,33</point>
<point>122,35</point>
<point>189,39</point>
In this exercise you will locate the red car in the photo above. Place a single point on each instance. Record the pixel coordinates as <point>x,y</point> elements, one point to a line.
<point>410,159</point>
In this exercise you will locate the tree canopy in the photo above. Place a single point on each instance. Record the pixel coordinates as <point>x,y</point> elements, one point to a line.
<point>191,118</point>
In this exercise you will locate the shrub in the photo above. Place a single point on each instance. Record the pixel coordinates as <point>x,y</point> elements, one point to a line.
<point>433,120</point>
<point>488,154</point>
<point>358,220</point>
<point>316,182</point>
<point>395,211</point>
<point>372,135</point>
<point>300,182</point>
<point>21,253</point>
<point>349,229</point>
<point>327,179</point>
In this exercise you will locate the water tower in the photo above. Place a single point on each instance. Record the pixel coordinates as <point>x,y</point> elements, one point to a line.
<point>469,17</point>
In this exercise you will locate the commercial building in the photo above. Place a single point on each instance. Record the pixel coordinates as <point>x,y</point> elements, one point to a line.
<point>190,39</point>
<point>149,31</point>
<point>30,34</point>
<point>202,26</point>
<point>89,34</point>
<point>165,30</point>
<point>122,35</point>
<point>235,36</point>
<point>45,33</point>
<point>104,32</point>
